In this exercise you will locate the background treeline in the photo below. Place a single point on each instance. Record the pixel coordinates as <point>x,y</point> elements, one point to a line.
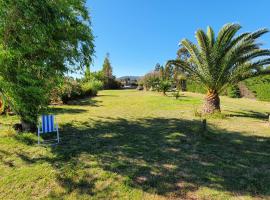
<point>67,88</point>
<point>169,78</point>
<point>40,44</point>
<point>260,87</point>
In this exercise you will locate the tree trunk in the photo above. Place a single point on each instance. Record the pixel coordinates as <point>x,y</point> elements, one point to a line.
<point>183,85</point>
<point>212,102</point>
<point>164,93</point>
<point>28,126</point>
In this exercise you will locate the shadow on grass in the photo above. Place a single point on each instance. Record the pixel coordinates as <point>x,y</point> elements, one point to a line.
<point>7,163</point>
<point>250,114</point>
<point>81,102</point>
<point>162,156</point>
<point>107,95</point>
<point>62,110</point>
<point>85,102</point>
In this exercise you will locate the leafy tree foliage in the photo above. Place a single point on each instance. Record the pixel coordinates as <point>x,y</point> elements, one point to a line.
<point>168,72</point>
<point>217,62</point>
<point>164,86</point>
<point>179,75</point>
<point>151,80</point>
<point>109,80</point>
<point>233,91</point>
<point>87,73</point>
<point>260,86</point>
<point>161,72</point>
<point>40,40</point>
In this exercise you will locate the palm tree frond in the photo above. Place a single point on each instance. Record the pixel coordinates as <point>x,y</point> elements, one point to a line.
<point>211,36</point>
<point>218,62</point>
<point>226,34</point>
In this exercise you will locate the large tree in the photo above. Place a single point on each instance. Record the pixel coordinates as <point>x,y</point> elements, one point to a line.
<point>227,59</point>
<point>39,41</point>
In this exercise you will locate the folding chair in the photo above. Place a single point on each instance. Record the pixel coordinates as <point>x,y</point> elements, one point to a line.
<point>48,126</point>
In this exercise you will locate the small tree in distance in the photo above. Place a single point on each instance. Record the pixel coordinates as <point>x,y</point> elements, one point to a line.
<point>108,79</point>
<point>107,68</point>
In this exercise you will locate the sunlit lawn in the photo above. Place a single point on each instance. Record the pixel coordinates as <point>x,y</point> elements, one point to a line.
<point>141,145</point>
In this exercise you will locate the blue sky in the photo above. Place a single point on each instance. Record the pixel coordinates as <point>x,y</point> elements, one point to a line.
<point>140,33</point>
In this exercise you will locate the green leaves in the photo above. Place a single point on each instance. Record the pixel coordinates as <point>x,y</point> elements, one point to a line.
<point>40,41</point>
<point>226,59</point>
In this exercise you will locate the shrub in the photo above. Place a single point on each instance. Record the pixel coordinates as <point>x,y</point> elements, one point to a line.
<point>70,89</point>
<point>260,86</point>
<point>151,81</point>
<point>111,83</point>
<point>91,88</point>
<point>164,86</point>
<point>233,91</point>
<point>193,86</point>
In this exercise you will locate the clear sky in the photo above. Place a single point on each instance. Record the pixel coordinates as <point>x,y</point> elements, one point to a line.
<point>140,33</point>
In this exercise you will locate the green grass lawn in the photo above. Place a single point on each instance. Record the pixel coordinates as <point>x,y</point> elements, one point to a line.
<point>130,144</point>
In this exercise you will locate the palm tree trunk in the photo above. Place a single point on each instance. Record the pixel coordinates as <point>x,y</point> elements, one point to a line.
<point>212,102</point>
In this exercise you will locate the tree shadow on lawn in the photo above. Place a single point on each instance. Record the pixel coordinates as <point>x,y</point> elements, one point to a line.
<point>250,114</point>
<point>63,110</point>
<point>68,110</point>
<point>85,102</point>
<point>107,95</point>
<point>163,156</point>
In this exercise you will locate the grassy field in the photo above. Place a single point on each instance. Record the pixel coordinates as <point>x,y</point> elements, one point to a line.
<point>138,145</point>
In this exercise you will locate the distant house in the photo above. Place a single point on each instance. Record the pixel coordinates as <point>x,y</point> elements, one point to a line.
<point>129,81</point>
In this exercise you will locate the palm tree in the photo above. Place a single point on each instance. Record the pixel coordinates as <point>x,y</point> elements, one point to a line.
<point>217,62</point>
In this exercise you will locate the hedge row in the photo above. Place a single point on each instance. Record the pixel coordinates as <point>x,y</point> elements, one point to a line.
<point>260,86</point>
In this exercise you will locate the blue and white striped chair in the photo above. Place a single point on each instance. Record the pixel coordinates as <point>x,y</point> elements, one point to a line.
<point>48,126</point>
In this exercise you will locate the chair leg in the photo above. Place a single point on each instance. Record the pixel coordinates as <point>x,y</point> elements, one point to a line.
<point>58,139</point>
<point>38,136</point>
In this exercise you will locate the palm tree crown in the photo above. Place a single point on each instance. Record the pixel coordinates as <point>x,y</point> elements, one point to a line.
<point>223,60</point>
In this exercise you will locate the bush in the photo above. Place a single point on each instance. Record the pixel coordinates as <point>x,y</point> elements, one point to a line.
<point>91,88</point>
<point>193,86</point>
<point>233,91</point>
<point>111,83</point>
<point>151,81</point>
<point>164,86</point>
<point>260,86</point>
<point>70,89</point>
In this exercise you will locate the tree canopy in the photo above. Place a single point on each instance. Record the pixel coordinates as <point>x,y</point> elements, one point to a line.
<point>40,40</point>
